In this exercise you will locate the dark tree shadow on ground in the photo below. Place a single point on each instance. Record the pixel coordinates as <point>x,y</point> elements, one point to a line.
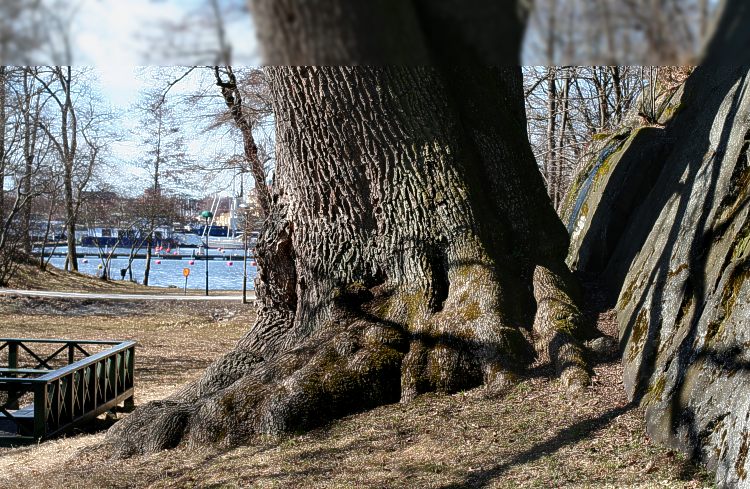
<point>565,437</point>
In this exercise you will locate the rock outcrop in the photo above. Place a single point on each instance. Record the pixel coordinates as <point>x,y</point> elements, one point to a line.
<point>607,192</point>
<point>663,217</point>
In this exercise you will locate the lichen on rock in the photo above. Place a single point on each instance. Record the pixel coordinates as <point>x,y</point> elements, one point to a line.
<point>667,233</point>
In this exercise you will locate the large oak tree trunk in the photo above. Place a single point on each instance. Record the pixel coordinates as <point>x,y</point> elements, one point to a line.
<point>411,247</point>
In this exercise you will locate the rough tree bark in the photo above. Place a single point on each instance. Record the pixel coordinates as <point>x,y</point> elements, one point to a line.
<point>411,247</point>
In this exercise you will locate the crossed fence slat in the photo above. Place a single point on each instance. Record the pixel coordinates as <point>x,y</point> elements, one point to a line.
<point>66,396</point>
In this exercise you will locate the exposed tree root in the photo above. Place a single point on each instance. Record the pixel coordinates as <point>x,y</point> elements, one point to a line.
<point>361,359</point>
<point>559,326</point>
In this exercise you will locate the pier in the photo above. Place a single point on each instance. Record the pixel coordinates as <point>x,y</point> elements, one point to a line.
<point>63,395</point>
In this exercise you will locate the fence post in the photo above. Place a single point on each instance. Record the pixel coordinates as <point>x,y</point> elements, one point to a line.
<point>12,363</point>
<point>40,411</point>
<point>130,376</point>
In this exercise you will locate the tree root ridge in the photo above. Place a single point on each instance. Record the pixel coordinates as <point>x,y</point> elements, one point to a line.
<point>559,326</point>
<point>156,426</point>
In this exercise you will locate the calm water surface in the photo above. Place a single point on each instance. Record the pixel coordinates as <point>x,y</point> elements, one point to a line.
<point>221,276</point>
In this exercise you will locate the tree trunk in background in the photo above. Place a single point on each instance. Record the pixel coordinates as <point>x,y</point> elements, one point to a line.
<point>600,81</point>
<point>30,129</point>
<point>550,160</point>
<point>3,116</point>
<point>617,86</point>
<point>560,187</point>
<point>69,146</point>
<point>411,247</point>
<point>26,211</point>
<point>153,210</point>
<point>147,271</point>
<point>71,262</point>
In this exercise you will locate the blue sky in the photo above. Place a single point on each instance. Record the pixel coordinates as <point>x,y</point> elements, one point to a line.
<point>110,35</point>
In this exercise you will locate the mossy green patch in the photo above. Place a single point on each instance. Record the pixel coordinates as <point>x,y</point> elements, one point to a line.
<point>685,307</point>
<point>382,308</point>
<point>414,303</point>
<point>741,249</point>
<point>471,311</point>
<point>732,289</point>
<point>739,464</point>
<point>655,391</point>
<point>670,111</point>
<point>640,330</point>
<point>355,288</point>
<point>677,271</point>
<point>627,295</point>
<point>713,329</point>
<point>608,164</point>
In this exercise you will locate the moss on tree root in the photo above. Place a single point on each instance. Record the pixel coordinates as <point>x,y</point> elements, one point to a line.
<point>382,348</point>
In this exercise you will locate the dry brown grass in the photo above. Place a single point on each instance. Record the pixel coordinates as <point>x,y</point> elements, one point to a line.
<point>535,436</point>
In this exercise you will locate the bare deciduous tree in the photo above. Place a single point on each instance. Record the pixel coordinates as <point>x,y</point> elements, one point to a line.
<point>22,167</point>
<point>165,159</point>
<point>73,128</point>
<point>243,117</point>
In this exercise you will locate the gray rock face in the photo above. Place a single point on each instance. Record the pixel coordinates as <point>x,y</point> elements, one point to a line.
<point>683,307</point>
<point>677,252</point>
<point>609,190</point>
<point>626,171</point>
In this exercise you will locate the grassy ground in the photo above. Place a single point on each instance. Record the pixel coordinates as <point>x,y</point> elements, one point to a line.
<point>536,436</point>
<point>30,277</point>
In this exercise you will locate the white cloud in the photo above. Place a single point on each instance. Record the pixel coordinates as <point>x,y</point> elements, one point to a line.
<point>106,36</point>
<point>110,35</point>
<point>110,32</point>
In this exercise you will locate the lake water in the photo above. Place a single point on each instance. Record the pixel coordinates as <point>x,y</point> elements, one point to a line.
<point>221,276</point>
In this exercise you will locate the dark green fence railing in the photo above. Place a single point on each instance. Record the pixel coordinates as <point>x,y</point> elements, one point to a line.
<point>50,386</point>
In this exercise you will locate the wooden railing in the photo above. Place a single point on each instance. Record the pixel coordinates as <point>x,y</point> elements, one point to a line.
<point>65,385</point>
